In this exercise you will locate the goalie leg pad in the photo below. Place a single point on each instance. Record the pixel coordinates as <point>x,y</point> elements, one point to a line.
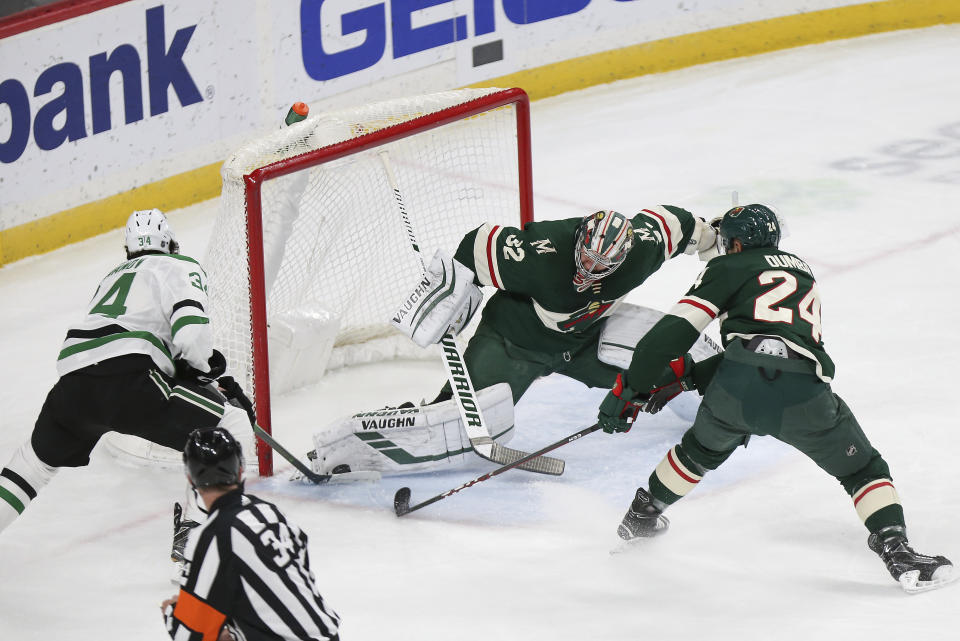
<point>410,439</point>
<point>624,329</point>
<point>627,325</point>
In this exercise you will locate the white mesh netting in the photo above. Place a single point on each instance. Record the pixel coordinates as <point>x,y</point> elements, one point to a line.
<point>336,254</point>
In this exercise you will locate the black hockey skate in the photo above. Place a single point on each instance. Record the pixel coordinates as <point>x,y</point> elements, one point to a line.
<point>915,572</point>
<point>644,519</point>
<point>181,531</point>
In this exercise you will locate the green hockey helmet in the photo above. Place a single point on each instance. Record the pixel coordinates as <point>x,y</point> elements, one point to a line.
<point>753,225</point>
<point>603,240</point>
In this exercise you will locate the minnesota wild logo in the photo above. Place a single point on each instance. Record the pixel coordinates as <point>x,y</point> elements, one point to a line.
<point>588,314</point>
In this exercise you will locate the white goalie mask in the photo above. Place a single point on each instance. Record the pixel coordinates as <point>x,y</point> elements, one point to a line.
<point>603,240</point>
<point>148,231</point>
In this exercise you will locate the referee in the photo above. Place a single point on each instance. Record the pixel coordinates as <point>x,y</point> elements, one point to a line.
<point>247,573</point>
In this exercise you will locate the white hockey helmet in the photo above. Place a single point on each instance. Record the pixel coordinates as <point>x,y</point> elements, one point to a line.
<point>148,231</point>
<point>603,240</point>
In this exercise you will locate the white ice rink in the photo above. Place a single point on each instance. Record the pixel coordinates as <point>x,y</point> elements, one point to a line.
<point>856,142</point>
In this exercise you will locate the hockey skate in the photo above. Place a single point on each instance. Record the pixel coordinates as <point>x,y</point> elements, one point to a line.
<point>644,519</point>
<point>181,531</point>
<point>915,572</point>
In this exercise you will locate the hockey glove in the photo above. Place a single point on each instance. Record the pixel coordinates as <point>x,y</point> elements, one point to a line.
<point>236,396</point>
<point>703,241</point>
<point>619,408</point>
<point>678,378</point>
<point>217,364</point>
<point>443,300</point>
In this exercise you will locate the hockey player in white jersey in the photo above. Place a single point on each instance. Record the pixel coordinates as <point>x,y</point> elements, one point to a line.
<point>137,362</point>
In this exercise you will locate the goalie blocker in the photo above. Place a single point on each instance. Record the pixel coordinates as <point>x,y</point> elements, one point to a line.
<point>409,439</point>
<point>444,300</point>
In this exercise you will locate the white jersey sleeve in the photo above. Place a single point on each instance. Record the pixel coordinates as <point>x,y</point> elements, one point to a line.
<point>184,299</point>
<point>154,305</point>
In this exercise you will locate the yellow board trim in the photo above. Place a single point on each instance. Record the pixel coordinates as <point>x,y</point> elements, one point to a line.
<point>658,56</point>
<point>99,216</point>
<point>724,43</point>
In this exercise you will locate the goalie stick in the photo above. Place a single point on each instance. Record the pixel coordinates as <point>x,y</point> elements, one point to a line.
<point>401,500</point>
<point>460,383</point>
<point>317,479</point>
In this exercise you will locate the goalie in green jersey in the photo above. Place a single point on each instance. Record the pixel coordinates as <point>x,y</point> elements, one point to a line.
<point>772,379</point>
<point>558,283</point>
<point>558,308</point>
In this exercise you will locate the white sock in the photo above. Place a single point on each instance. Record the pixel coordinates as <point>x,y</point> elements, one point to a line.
<point>20,481</point>
<point>193,507</point>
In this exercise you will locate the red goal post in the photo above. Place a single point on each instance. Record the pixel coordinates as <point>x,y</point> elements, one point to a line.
<point>462,158</point>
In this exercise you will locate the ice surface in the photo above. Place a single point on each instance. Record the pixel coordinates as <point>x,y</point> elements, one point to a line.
<point>856,142</point>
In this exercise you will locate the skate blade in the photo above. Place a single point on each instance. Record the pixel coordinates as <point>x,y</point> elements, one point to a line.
<point>911,584</point>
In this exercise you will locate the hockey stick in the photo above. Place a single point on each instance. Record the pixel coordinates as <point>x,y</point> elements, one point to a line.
<point>460,383</point>
<point>317,479</point>
<point>401,500</point>
<point>310,475</point>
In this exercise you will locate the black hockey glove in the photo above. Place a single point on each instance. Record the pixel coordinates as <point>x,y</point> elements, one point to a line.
<point>216,362</point>
<point>619,408</point>
<point>236,396</point>
<point>678,378</point>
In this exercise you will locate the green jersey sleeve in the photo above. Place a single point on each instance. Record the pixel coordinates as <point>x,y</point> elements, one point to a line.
<point>520,261</point>
<point>759,292</point>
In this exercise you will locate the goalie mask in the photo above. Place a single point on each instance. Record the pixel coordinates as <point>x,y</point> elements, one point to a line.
<point>753,225</point>
<point>148,231</point>
<point>212,457</point>
<point>603,240</point>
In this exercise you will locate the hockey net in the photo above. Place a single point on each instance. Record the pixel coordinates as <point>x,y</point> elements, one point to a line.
<point>309,241</point>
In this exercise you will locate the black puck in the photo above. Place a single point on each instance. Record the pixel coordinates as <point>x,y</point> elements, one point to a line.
<point>401,501</point>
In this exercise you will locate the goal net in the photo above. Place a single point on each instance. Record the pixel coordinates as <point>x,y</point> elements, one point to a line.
<point>309,256</point>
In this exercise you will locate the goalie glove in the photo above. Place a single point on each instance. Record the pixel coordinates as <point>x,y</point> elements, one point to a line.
<point>443,301</point>
<point>217,364</point>
<point>619,408</point>
<point>679,378</point>
<point>704,239</point>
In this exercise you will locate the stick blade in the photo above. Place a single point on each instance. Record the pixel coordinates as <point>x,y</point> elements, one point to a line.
<point>541,464</point>
<point>401,501</point>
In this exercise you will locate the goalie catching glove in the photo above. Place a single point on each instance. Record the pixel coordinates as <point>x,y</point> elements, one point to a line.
<point>443,301</point>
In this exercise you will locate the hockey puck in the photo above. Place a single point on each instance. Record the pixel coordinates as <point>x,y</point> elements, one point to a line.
<point>401,501</point>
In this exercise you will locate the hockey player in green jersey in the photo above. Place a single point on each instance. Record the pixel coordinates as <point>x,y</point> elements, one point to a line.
<point>773,379</point>
<point>560,287</point>
<point>557,284</point>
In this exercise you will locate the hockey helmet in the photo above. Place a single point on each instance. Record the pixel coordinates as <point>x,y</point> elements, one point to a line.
<point>753,225</point>
<point>148,231</point>
<point>213,457</point>
<point>602,242</point>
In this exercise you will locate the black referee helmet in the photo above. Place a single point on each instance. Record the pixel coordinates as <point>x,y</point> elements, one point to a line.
<point>213,457</point>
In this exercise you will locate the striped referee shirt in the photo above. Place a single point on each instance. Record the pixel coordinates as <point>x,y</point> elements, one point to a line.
<point>247,568</point>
